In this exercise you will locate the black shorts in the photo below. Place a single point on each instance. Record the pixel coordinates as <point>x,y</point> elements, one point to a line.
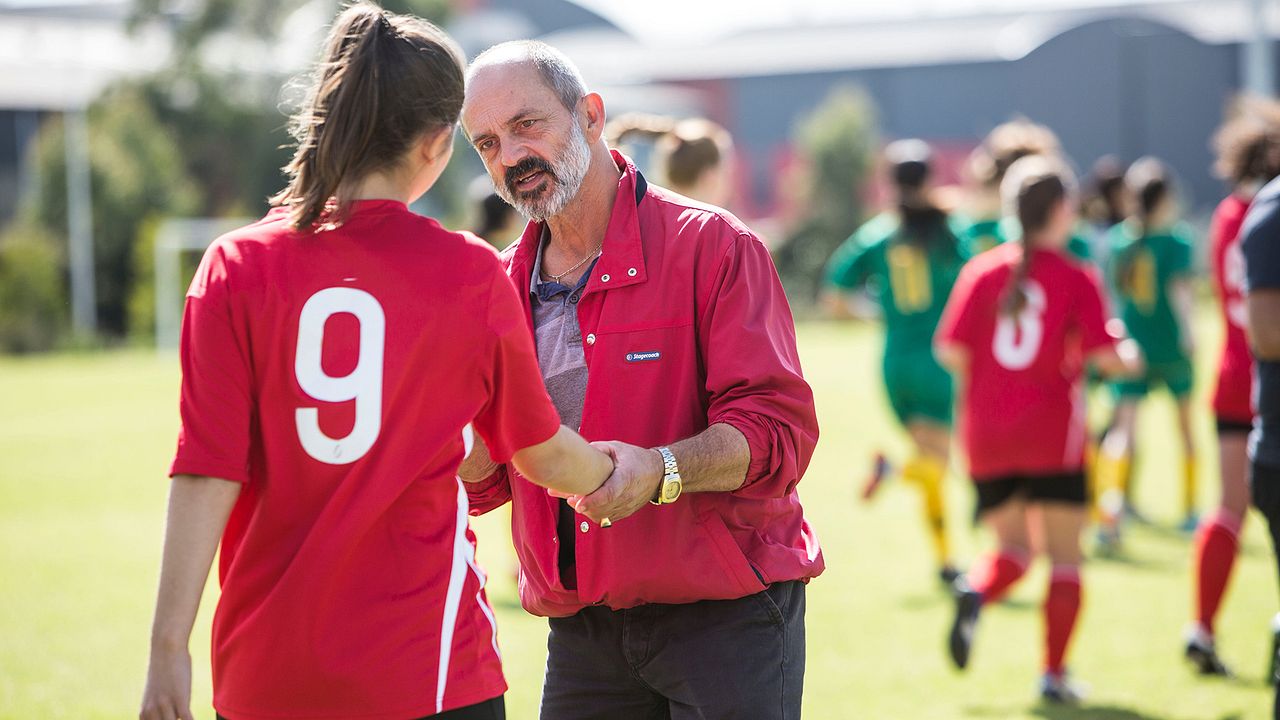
<point>1069,488</point>
<point>1227,426</point>
<point>493,709</point>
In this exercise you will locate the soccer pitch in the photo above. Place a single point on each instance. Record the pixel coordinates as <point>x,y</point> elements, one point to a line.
<point>85,441</point>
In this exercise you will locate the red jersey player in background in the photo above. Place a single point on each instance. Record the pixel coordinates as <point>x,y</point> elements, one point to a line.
<point>335,355</point>
<point>1248,146</point>
<point>1021,323</point>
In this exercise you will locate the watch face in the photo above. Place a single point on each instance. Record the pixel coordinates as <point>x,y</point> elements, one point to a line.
<point>671,490</point>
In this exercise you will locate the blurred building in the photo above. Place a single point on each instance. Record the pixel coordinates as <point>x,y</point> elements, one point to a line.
<point>1124,77</point>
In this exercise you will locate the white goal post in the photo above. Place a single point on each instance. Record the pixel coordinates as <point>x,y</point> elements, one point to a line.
<point>173,238</point>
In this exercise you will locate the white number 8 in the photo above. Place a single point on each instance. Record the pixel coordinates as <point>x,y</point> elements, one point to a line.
<point>1017,341</point>
<point>364,384</point>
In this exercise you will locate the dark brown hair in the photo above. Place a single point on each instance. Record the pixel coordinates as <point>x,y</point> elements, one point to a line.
<point>923,221</point>
<point>1248,141</point>
<point>1033,188</point>
<point>385,81</point>
<point>1148,183</point>
<point>690,149</point>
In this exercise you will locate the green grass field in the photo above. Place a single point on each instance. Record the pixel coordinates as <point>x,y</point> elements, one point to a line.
<point>84,446</point>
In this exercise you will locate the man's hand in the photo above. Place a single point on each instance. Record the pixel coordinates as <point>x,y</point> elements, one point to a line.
<point>636,475</point>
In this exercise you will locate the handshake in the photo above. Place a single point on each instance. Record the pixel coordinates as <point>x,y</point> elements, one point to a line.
<point>605,481</point>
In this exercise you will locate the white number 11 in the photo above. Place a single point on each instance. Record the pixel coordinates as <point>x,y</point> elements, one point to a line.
<point>363,385</point>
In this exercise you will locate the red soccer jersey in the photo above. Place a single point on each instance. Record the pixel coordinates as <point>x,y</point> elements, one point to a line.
<point>335,375</point>
<point>1022,411</point>
<point>1232,400</point>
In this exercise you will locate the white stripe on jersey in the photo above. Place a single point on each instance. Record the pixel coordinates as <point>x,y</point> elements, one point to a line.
<point>453,597</point>
<point>484,606</point>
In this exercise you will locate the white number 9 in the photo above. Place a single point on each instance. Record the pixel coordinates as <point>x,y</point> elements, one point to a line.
<point>1017,341</point>
<point>363,385</point>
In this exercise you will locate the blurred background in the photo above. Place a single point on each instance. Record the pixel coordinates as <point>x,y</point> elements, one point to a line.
<point>132,132</point>
<point>116,115</point>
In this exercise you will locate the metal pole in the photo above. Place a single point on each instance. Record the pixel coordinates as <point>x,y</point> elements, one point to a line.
<point>84,311</point>
<point>167,267</point>
<point>1257,56</point>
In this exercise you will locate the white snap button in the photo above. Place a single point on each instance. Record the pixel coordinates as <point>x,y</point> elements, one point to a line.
<point>632,272</point>
<point>585,527</point>
<point>591,338</point>
<point>604,277</point>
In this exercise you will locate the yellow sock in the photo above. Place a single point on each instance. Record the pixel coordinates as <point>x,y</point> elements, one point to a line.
<point>1111,474</point>
<point>1189,485</point>
<point>1091,455</point>
<point>928,473</point>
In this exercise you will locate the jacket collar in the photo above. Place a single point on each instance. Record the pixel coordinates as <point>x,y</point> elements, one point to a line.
<point>622,253</point>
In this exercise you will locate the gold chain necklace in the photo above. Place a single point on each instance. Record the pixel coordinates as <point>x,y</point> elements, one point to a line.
<point>577,265</point>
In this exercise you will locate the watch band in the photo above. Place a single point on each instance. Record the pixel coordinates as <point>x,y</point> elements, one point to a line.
<point>669,461</point>
<point>670,487</point>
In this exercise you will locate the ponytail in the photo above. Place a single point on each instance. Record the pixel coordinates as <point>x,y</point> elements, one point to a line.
<point>1033,189</point>
<point>1149,184</point>
<point>385,81</point>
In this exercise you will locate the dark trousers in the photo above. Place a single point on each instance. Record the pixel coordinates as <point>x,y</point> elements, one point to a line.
<point>495,709</point>
<point>1264,482</point>
<point>709,660</point>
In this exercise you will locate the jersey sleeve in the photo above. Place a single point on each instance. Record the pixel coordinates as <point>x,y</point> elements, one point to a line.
<point>847,268</point>
<point>1090,315</point>
<point>957,325</point>
<point>1260,243</point>
<point>1181,255</point>
<point>216,401</point>
<point>519,413</point>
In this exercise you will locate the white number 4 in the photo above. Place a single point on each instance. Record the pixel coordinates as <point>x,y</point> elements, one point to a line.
<point>363,385</point>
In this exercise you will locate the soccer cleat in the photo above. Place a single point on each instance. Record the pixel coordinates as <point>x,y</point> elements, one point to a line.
<point>968,605</point>
<point>879,473</point>
<point>1202,654</point>
<point>1057,688</point>
<point>948,574</point>
<point>1190,523</point>
<point>1108,540</point>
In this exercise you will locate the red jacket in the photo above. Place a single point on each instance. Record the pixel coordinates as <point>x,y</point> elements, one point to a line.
<point>685,325</point>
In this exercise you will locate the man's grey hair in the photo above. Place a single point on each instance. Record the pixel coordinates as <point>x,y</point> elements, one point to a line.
<point>558,72</point>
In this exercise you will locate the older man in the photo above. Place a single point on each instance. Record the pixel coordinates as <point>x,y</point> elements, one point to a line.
<point>661,326</point>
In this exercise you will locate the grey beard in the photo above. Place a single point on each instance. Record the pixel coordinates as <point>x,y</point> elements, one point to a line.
<point>569,171</point>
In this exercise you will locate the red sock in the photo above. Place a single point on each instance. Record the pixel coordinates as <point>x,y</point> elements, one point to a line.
<point>1061,608</point>
<point>1215,556</point>
<point>997,573</point>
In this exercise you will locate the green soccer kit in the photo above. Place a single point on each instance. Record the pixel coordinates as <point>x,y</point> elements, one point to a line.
<point>911,281</point>
<point>1142,270</point>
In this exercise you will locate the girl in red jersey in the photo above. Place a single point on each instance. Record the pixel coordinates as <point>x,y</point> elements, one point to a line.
<point>335,357</point>
<point>1019,327</point>
<point>1248,146</point>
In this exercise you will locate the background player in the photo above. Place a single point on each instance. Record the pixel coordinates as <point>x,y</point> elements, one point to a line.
<point>1022,321</point>
<point>1248,147</point>
<point>985,227</point>
<point>334,355</point>
<point>909,259</point>
<point>693,156</point>
<point>1151,272</point>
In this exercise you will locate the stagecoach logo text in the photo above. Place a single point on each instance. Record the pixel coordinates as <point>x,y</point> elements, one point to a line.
<point>643,356</point>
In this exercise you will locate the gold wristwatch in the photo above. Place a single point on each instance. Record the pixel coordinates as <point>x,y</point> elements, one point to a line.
<point>669,489</point>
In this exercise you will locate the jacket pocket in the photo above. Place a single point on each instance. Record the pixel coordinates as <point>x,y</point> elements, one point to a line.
<point>732,560</point>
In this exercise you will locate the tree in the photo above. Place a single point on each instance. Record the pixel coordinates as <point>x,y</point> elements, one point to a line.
<point>136,171</point>
<point>837,143</point>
